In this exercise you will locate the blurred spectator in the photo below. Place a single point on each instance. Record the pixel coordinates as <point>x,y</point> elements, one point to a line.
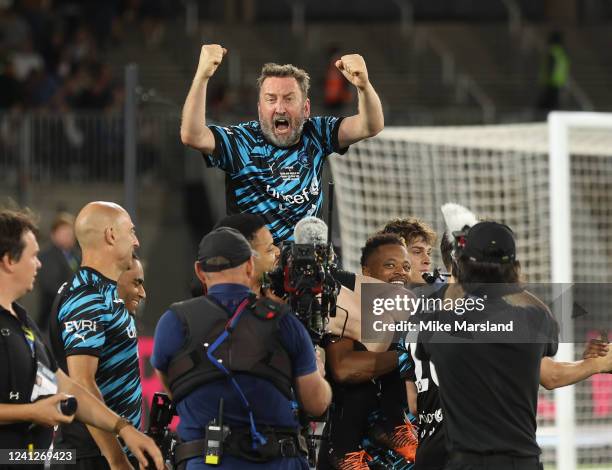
<point>97,91</point>
<point>40,88</point>
<point>26,60</point>
<point>151,15</point>
<point>59,262</point>
<point>51,51</point>
<point>11,93</point>
<point>14,29</point>
<point>38,15</point>
<point>222,100</point>
<point>337,89</point>
<point>101,16</point>
<point>153,25</point>
<point>554,73</point>
<point>55,54</point>
<point>82,47</point>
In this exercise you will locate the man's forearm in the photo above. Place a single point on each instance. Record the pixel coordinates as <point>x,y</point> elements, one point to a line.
<point>370,110</point>
<point>325,393</point>
<point>97,417</point>
<point>412,394</point>
<point>108,444</point>
<point>559,374</point>
<point>13,413</point>
<point>360,366</point>
<point>91,409</point>
<point>193,122</point>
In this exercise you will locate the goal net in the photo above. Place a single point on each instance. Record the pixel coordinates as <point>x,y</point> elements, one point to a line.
<point>502,173</point>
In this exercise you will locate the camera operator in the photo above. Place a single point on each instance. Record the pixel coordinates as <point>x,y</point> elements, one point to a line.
<point>253,354</point>
<point>31,385</point>
<point>309,266</point>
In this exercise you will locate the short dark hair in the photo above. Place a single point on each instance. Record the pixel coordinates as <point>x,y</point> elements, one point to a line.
<point>247,224</point>
<point>474,272</point>
<point>411,229</point>
<point>446,250</point>
<point>287,70</point>
<point>13,225</point>
<point>376,241</point>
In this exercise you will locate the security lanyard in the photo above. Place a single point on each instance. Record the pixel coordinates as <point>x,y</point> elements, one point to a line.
<point>30,338</point>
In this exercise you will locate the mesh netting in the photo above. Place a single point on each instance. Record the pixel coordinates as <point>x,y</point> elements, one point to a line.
<point>500,173</point>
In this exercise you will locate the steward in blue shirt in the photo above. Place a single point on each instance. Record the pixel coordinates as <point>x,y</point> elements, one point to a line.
<point>253,354</point>
<point>274,165</point>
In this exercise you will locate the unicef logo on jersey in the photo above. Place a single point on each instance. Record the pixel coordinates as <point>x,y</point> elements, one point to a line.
<point>288,199</point>
<point>303,158</point>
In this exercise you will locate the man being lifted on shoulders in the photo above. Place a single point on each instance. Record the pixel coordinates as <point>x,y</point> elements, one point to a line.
<point>274,165</point>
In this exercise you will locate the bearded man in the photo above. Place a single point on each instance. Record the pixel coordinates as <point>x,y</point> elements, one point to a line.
<point>274,165</point>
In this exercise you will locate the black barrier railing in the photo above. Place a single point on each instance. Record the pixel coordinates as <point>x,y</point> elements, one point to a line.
<point>81,148</point>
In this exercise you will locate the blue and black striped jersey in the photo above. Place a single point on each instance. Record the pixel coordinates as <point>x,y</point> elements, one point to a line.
<point>93,321</point>
<point>283,185</point>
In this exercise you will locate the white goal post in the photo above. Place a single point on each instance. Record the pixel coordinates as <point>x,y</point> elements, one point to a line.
<point>550,182</point>
<point>559,125</point>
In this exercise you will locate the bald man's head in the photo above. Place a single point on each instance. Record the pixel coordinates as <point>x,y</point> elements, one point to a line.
<point>93,220</point>
<point>106,228</point>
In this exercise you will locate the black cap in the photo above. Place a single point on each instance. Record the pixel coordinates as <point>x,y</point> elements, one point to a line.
<point>489,242</point>
<point>223,248</point>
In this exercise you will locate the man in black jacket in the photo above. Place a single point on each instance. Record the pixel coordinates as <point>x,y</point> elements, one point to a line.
<point>60,260</point>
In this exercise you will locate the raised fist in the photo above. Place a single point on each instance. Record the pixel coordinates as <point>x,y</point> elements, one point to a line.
<point>211,56</point>
<point>353,67</point>
<point>595,348</point>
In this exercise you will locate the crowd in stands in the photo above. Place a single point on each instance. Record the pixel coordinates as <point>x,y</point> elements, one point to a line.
<point>52,51</point>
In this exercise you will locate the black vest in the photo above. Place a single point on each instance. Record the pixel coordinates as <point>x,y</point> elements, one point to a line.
<point>8,338</point>
<point>253,347</point>
<point>20,387</point>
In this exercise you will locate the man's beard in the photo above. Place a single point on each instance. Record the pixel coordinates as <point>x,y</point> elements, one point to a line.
<point>286,140</point>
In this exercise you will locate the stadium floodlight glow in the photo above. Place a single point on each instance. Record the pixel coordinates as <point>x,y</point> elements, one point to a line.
<point>559,124</point>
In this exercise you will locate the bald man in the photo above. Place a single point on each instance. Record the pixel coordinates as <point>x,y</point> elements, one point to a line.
<point>93,335</point>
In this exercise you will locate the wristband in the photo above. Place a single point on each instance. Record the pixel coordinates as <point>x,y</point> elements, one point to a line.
<point>120,424</point>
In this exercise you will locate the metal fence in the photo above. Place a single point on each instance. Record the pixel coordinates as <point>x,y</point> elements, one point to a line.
<point>82,148</point>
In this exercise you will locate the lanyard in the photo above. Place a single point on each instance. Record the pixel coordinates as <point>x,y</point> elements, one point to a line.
<point>30,338</point>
